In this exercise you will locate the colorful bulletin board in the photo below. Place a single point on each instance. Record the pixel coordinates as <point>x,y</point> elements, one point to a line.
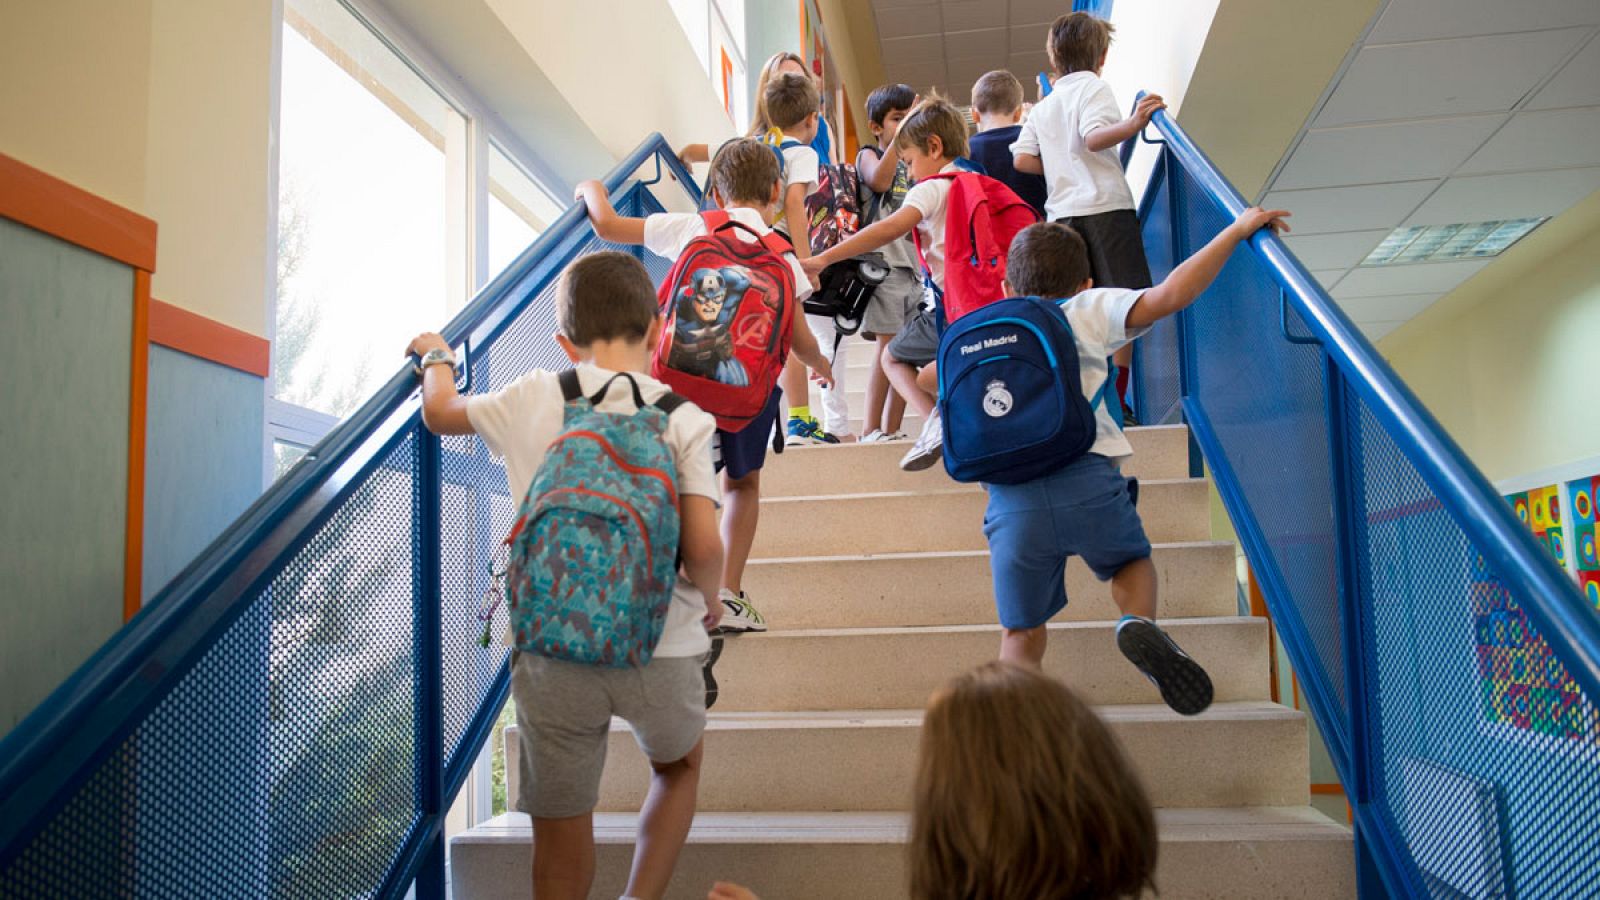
<point>1524,685</point>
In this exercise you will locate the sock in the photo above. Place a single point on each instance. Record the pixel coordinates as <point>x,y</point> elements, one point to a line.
<point>800,412</point>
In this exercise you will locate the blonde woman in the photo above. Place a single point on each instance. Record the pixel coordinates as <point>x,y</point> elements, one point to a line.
<point>779,64</point>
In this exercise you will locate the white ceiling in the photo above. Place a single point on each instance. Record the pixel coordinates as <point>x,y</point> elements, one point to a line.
<point>1447,111</point>
<point>948,44</point>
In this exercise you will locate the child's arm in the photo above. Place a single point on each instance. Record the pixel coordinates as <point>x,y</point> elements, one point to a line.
<point>1190,279</point>
<point>1112,135</point>
<point>444,410</point>
<point>694,153</point>
<point>794,216</point>
<point>867,239</point>
<point>607,224</point>
<point>1028,163</point>
<point>701,545</point>
<point>804,347</point>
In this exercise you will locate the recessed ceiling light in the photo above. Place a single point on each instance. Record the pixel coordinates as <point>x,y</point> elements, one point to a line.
<point>1436,243</point>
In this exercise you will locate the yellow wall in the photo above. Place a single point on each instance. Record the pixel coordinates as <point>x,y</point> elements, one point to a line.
<point>1510,361</point>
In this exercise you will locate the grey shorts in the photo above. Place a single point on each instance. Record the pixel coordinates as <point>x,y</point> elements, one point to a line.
<point>564,714</point>
<point>918,342</point>
<point>895,301</point>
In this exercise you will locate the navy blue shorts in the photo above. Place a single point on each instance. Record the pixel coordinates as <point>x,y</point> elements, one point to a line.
<point>1082,510</point>
<point>744,451</point>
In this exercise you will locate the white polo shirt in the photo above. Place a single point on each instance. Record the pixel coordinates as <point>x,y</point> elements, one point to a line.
<point>1081,182</point>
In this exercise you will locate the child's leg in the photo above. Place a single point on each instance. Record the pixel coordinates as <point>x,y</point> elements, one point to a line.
<point>664,823</point>
<point>1134,589</point>
<point>796,387</point>
<point>875,418</point>
<point>563,857</point>
<point>835,404</point>
<point>904,378</point>
<point>741,508</point>
<point>1023,645</point>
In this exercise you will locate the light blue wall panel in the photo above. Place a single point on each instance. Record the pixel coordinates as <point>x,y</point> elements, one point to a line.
<point>203,458</point>
<point>66,325</point>
<point>770,26</point>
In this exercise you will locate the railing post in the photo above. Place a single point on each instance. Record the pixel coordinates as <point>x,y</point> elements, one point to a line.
<point>1188,372</point>
<point>430,883</point>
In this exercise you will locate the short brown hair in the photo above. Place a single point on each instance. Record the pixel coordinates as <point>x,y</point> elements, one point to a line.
<point>1049,260</point>
<point>790,97</point>
<point>1021,791</point>
<point>1078,42</point>
<point>605,296</point>
<point>934,117</point>
<point>744,171</point>
<point>997,92</point>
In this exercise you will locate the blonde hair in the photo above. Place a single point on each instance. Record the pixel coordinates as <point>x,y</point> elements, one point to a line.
<point>760,123</point>
<point>934,117</point>
<point>1021,791</point>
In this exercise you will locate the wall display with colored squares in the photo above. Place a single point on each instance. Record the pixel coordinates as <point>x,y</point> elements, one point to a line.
<point>1585,563</point>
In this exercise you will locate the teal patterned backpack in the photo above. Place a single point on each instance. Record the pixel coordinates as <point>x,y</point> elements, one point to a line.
<point>593,555</point>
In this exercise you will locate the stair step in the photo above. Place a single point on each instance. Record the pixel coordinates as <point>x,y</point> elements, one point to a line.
<point>1246,753</point>
<point>916,589</point>
<point>1256,852</point>
<point>949,519</point>
<point>1158,453</point>
<point>889,668</point>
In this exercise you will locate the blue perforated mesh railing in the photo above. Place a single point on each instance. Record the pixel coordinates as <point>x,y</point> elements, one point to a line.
<point>292,716</point>
<point>1446,658</point>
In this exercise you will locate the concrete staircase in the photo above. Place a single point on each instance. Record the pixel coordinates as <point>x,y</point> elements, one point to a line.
<point>876,584</point>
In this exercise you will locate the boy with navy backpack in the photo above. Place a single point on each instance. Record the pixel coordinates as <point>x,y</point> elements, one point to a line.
<point>1022,388</point>
<point>615,480</point>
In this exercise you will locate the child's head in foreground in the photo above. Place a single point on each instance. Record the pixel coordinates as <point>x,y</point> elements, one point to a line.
<point>998,94</point>
<point>1048,260</point>
<point>887,106</point>
<point>745,172</point>
<point>932,135</point>
<point>1078,43</point>
<point>793,103</point>
<point>605,297</point>
<point>1021,791</point>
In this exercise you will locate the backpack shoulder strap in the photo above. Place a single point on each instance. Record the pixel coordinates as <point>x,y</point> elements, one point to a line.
<point>715,219</point>
<point>571,388</point>
<point>668,403</point>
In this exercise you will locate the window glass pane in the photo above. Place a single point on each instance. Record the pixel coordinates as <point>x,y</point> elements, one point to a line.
<point>362,234</point>
<point>519,210</point>
<point>733,15</point>
<point>284,456</point>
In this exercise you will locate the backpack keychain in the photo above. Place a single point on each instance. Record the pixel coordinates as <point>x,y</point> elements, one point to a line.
<point>493,594</point>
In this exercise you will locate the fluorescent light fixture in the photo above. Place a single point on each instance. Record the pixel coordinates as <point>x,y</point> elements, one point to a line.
<point>1438,243</point>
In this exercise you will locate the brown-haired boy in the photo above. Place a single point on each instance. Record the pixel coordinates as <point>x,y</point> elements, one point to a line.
<point>1071,138</point>
<point>997,106</point>
<point>745,183</point>
<point>606,307</point>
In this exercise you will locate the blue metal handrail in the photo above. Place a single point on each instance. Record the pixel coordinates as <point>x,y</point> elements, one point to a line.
<point>47,756</point>
<point>1396,851</point>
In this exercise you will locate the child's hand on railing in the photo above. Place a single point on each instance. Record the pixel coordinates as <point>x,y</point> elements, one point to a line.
<point>422,343</point>
<point>1147,106</point>
<point>1255,218</point>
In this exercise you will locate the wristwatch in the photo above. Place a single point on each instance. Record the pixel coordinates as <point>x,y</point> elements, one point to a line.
<point>436,357</point>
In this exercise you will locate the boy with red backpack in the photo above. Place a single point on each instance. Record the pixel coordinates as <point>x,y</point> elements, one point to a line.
<point>614,474</point>
<point>961,223</point>
<point>732,308</point>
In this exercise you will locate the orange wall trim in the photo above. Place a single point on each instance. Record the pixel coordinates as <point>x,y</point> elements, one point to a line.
<point>48,204</point>
<point>1328,790</point>
<point>196,335</point>
<point>133,560</point>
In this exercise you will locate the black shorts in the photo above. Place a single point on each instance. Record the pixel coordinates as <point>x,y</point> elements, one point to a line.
<point>918,340</point>
<point>1116,248</point>
<point>744,451</point>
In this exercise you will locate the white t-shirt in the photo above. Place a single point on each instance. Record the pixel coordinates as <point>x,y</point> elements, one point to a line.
<point>1081,183</point>
<point>1099,318</point>
<point>519,421</point>
<point>666,234</point>
<point>800,166</point>
<point>932,199</point>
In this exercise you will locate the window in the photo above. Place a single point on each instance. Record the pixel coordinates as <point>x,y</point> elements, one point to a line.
<point>716,31</point>
<point>519,210</point>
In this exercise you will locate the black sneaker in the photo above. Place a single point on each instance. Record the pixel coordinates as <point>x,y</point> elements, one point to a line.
<point>1184,685</point>
<point>711,680</point>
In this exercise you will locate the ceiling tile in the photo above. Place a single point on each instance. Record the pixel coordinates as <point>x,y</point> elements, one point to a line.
<point>969,70</point>
<point>1414,20</point>
<point>1439,78</point>
<point>1328,277</point>
<point>967,15</point>
<point>1387,309</point>
<point>1323,210</point>
<point>920,75</point>
<point>1373,154</point>
<point>907,21</point>
<point>1033,12</point>
<point>1029,39</point>
<point>1327,251</point>
<point>1577,84</point>
<point>912,50</point>
<point>1394,281</point>
<point>1482,198</point>
<point>988,43</point>
<point>1377,331</point>
<point>1549,139</point>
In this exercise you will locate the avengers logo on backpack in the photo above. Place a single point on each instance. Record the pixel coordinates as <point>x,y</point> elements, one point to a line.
<point>593,555</point>
<point>1010,393</point>
<point>982,215</point>
<point>727,311</point>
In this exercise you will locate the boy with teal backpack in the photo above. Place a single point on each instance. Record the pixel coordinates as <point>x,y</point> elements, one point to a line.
<point>613,554</point>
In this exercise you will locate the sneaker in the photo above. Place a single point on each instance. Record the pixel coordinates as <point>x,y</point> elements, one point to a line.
<point>928,448</point>
<point>1184,685</point>
<point>739,616</point>
<point>884,437</point>
<point>806,431</point>
<point>711,680</point>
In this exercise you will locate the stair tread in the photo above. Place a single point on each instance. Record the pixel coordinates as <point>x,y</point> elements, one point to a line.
<point>1101,625</point>
<point>1252,823</point>
<point>1144,485</point>
<point>1112,714</point>
<point>946,554</point>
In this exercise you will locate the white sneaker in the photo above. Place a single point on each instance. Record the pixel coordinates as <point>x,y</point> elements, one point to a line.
<point>928,448</point>
<point>872,437</point>
<point>738,615</point>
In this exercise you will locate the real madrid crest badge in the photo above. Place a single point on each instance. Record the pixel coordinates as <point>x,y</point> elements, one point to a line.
<point>996,399</point>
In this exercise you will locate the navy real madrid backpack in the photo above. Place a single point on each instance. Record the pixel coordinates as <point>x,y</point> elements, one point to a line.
<point>1010,393</point>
